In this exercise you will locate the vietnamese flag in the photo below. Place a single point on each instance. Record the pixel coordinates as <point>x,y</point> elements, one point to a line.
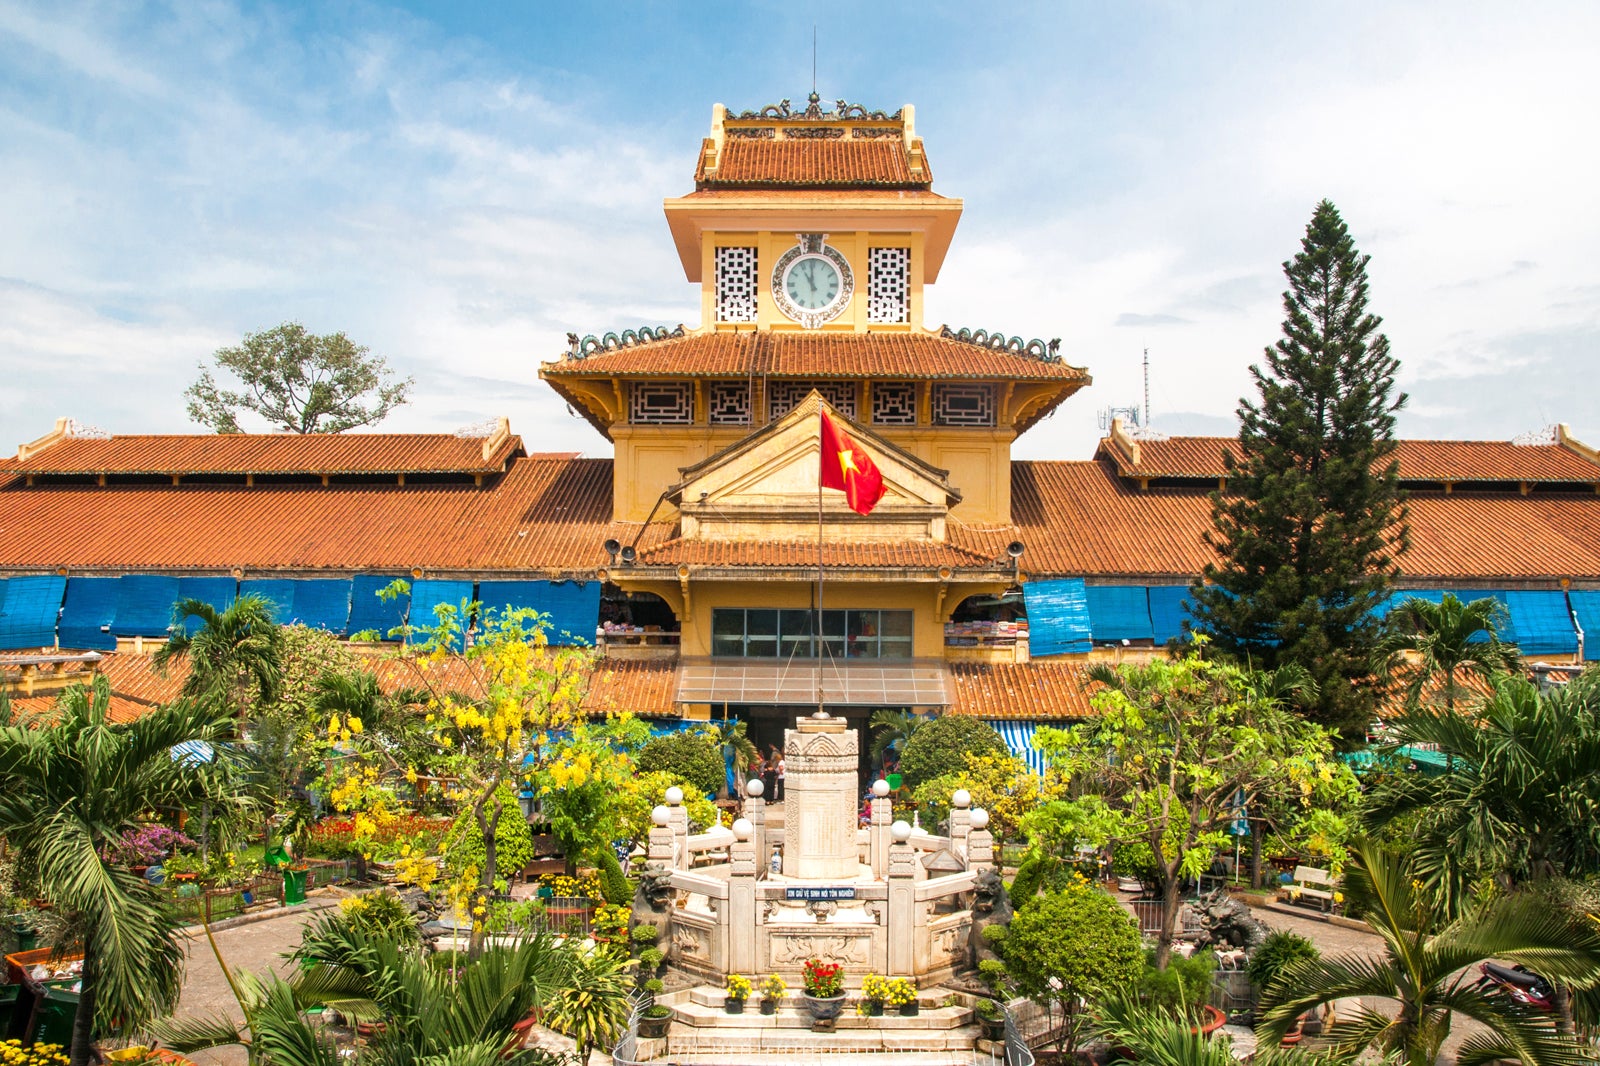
<point>847,468</point>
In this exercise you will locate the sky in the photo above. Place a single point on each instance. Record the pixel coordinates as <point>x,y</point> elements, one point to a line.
<point>459,185</point>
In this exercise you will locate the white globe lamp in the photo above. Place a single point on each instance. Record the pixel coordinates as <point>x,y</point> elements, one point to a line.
<point>660,815</point>
<point>674,796</point>
<point>901,832</point>
<point>754,788</point>
<point>961,798</point>
<point>880,788</point>
<point>980,818</point>
<point>742,829</point>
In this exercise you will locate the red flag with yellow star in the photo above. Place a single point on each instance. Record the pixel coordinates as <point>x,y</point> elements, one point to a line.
<point>847,468</point>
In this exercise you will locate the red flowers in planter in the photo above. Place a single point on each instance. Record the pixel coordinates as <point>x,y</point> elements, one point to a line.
<point>823,980</point>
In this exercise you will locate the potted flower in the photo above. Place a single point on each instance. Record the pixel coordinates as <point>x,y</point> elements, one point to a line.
<point>737,990</point>
<point>874,990</point>
<point>772,990</point>
<point>824,989</point>
<point>902,993</point>
<point>654,1019</point>
<point>992,1018</point>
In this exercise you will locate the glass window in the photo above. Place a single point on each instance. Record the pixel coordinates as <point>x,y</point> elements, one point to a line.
<point>764,633</point>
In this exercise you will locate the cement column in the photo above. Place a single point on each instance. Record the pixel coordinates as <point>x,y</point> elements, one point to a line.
<point>741,917</point>
<point>960,822</point>
<point>902,915</point>
<point>980,850</point>
<point>659,848</point>
<point>755,809</point>
<point>819,802</point>
<point>882,818</point>
<point>678,822</point>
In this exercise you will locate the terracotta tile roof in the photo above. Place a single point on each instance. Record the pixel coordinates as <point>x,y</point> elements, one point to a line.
<point>1037,690</point>
<point>544,514</point>
<point>1420,460</point>
<point>134,677</point>
<point>644,687</point>
<point>1082,519</point>
<point>783,160</point>
<point>814,355</point>
<point>274,453</point>
<point>899,554</point>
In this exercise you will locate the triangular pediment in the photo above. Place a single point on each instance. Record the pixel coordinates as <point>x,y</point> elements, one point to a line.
<point>766,484</point>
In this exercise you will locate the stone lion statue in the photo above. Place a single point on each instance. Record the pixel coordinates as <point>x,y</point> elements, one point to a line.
<point>990,906</point>
<point>1227,923</point>
<point>652,900</point>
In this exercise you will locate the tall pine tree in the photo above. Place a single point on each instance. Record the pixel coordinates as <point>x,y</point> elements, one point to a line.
<point>1313,519</point>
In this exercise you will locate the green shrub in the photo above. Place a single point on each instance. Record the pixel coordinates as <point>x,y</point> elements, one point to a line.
<point>463,845</point>
<point>992,972</point>
<point>1133,858</point>
<point>615,887</point>
<point>1030,877</point>
<point>380,915</point>
<point>1182,988</point>
<point>654,986</point>
<point>650,958</point>
<point>689,755</point>
<point>1276,952</point>
<point>942,745</point>
<point>645,933</point>
<point>995,935</point>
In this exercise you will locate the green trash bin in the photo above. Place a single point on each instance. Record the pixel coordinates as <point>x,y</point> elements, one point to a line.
<point>893,779</point>
<point>55,1014</point>
<point>294,886</point>
<point>8,1008</point>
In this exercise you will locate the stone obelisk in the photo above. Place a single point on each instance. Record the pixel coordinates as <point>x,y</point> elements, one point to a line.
<point>819,801</point>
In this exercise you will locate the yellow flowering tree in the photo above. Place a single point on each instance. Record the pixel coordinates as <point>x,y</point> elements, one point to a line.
<point>1175,749</point>
<point>496,695</point>
<point>1000,783</point>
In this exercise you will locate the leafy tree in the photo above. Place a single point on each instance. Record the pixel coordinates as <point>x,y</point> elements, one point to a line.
<point>1064,947</point>
<point>1001,784</point>
<point>69,789</point>
<point>582,782</point>
<point>235,655</point>
<point>1313,521</point>
<point>942,745</point>
<point>1519,796</point>
<point>1277,951</point>
<point>891,729</point>
<point>298,381</point>
<point>1428,968</point>
<point>689,754</point>
<point>1176,748</point>
<point>1446,639</point>
<point>464,850</point>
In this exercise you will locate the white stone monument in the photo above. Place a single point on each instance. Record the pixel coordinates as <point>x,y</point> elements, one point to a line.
<point>819,822</point>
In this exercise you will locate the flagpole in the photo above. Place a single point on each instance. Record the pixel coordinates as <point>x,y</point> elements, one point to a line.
<point>821,448</point>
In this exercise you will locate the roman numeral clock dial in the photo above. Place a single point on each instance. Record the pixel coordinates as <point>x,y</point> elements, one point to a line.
<point>811,283</point>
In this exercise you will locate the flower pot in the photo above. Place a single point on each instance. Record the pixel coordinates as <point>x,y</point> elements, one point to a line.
<point>824,1008</point>
<point>909,1010</point>
<point>733,1005</point>
<point>872,1008</point>
<point>993,1028</point>
<point>769,1006</point>
<point>1213,1020</point>
<point>654,1028</point>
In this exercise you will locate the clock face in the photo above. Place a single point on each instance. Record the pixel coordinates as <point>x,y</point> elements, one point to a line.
<point>812,282</point>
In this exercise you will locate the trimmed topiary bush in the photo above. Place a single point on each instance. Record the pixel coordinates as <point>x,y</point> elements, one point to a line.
<point>463,846</point>
<point>614,884</point>
<point>941,747</point>
<point>690,755</point>
<point>1275,953</point>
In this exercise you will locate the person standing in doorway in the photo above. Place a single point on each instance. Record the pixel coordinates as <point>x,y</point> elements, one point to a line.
<point>780,777</point>
<point>769,774</point>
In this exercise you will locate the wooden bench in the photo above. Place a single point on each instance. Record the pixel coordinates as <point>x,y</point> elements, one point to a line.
<point>1311,883</point>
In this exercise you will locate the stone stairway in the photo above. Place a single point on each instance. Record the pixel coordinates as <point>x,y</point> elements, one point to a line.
<point>704,1034</point>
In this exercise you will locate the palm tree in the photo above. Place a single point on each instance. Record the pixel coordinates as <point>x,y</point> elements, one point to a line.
<point>891,729</point>
<point>235,656</point>
<point>591,1006</point>
<point>1447,639</point>
<point>465,1015</point>
<point>732,738</point>
<point>1428,969</point>
<point>1163,1038</point>
<point>68,789</point>
<point>1518,797</point>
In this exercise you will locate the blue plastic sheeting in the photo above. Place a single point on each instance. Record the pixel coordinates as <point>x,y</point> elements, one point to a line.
<point>144,605</point>
<point>1541,622</point>
<point>323,603</point>
<point>1058,617</point>
<point>218,592</point>
<point>573,606</point>
<point>426,595</point>
<point>1586,605</point>
<point>1019,738</point>
<point>1507,626</point>
<point>280,591</point>
<point>1119,612</point>
<point>91,604</point>
<point>28,616</point>
<point>1169,609</point>
<point>369,614</point>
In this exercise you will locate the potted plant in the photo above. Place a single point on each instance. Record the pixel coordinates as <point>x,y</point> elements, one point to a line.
<point>824,989</point>
<point>992,1018</point>
<point>651,960</point>
<point>654,1019</point>
<point>874,990</point>
<point>738,990</point>
<point>902,993</point>
<point>772,990</point>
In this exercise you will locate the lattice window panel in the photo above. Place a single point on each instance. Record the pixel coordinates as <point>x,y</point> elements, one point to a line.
<point>736,284</point>
<point>730,403</point>
<point>889,285</point>
<point>963,405</point>
<point>785,396</point>
<point>661,403</point>
<point>894,403</point>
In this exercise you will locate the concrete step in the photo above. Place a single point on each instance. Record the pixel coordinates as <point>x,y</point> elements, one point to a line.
<point>846,1058</point>
<point>686,1043</point>
<point>703,1007</point>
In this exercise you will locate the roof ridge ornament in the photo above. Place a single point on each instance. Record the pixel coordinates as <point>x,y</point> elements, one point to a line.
<point>75,430</point>
<point>844,111</point>
<point>1538,438</point>
<point>1045,352</point>
<point>628,338</point>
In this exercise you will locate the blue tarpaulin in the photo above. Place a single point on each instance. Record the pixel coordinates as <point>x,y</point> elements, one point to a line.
<point>88,614</point>
<point>426,595</point>
<point>144,605</point>
<point>1506,630</point>
<point>1058,617</point>
<point>323,603</point>
<point>573,606</point>
<point>1541,622</point>
<point>28,616</point>
<point>1019,738</point>
<point>368,613</point>
<point>1119,612</point>
<point>218,592</point>
<point>1169,609</point>
<point>280,591</point>
<point>1586,605</point>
